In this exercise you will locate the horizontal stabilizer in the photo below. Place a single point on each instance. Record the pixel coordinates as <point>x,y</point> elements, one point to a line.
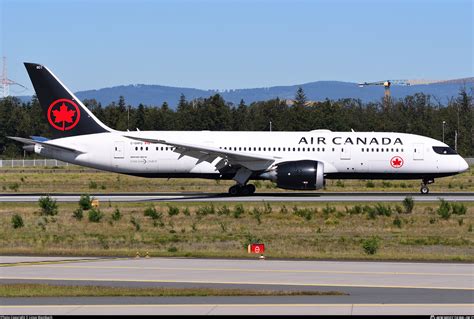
<point>46,144</point>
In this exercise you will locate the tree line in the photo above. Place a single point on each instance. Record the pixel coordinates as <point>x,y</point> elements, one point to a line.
<point>416,114</point>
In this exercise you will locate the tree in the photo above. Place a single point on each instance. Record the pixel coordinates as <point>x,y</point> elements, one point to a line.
<point>300,97</point>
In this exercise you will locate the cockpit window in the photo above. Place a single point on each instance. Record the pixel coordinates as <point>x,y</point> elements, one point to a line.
<point>443,150</point>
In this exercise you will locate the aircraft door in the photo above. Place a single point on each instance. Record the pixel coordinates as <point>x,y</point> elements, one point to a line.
<point>345,152</point>
<point>418,152</point>
<point>119,150</point>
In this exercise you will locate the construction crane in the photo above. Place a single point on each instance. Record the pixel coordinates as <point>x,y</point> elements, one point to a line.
<point>386,85</point>
<point>6,82</point>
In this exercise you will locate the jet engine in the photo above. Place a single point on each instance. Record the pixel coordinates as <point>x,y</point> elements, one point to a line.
<point>297,175</point>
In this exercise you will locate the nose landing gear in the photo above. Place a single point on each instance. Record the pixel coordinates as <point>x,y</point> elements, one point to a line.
<point>424,188</point>
<point>242,190</point>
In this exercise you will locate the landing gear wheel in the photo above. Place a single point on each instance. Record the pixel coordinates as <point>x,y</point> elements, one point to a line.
<point>235,190</point>
<point>251,188</point>
<point>248,189</point>
<point>242,190</point>
<point>424,189</point>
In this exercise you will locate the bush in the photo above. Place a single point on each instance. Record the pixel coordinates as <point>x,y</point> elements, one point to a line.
<point>173,210</point>
<point>369,184</point>
<point>458,208</point>
<point>14,187</point>
<point>354,210</point>
<point>305,213</point>
<point>95,215</point>
<point>370,245</point>
<point>267,209</point>
<point>85,202</point>
<point>370,211</point>
<point>386,184</point>
<point>383,210</point>
<point>135,222</point>
<point>408,204</point>
<point>116,215</point>
<point>17,221</point>
<point>224,210</point>
<point>339,183</point>
<point>92,185</point>
<point>186,212</point>
<point>172,249</point>
<point>78,214</point>
<point>152,213</point>
<point>48,206</point>
<point>257,214</point>
<point>206,210</point>
<point>397,222</point>
<point>328,210</point>
<point>444,209</point>
<point>238,211</point>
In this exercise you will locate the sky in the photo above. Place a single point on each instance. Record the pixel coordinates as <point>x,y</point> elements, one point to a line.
<point>212,44</point>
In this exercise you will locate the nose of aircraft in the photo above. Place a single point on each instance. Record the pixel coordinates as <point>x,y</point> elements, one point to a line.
<point>463,166</point>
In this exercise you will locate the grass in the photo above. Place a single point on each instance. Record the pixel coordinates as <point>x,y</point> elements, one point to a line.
<point>44,290</point>
<point>84,180</point>
<point>333,231</point>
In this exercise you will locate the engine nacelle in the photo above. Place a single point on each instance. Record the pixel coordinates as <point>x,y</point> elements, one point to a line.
<point>297,175</point>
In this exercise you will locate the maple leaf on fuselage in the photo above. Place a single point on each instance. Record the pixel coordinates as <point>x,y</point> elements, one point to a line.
<point>63,115</point>
<point>397,162</point>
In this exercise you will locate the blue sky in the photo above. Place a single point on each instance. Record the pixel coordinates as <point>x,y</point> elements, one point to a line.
<point>214,44</point>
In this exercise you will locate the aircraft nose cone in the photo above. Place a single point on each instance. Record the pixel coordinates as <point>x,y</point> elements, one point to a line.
<point>463,166</point>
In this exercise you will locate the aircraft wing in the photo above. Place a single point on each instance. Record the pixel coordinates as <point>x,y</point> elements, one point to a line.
<point>46,143</point>
<point>253,162</point>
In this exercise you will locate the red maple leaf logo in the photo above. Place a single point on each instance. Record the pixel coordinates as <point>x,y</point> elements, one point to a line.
<point>66,114</point>
<point>396,162</point>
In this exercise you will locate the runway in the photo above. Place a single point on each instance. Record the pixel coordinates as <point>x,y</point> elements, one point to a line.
<point>258,197</point>
<point>371,287</point>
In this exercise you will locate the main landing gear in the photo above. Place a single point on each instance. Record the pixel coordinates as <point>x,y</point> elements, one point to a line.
<point>424,188</point>
<point>242,190</point>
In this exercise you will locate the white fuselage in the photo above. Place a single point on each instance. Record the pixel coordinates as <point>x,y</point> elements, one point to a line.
<point>344,154</point>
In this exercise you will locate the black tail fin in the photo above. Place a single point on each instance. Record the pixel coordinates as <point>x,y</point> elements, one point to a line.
<point>65,113</point>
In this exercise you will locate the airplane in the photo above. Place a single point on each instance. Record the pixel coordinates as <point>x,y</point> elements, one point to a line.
<point>292,160</point>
